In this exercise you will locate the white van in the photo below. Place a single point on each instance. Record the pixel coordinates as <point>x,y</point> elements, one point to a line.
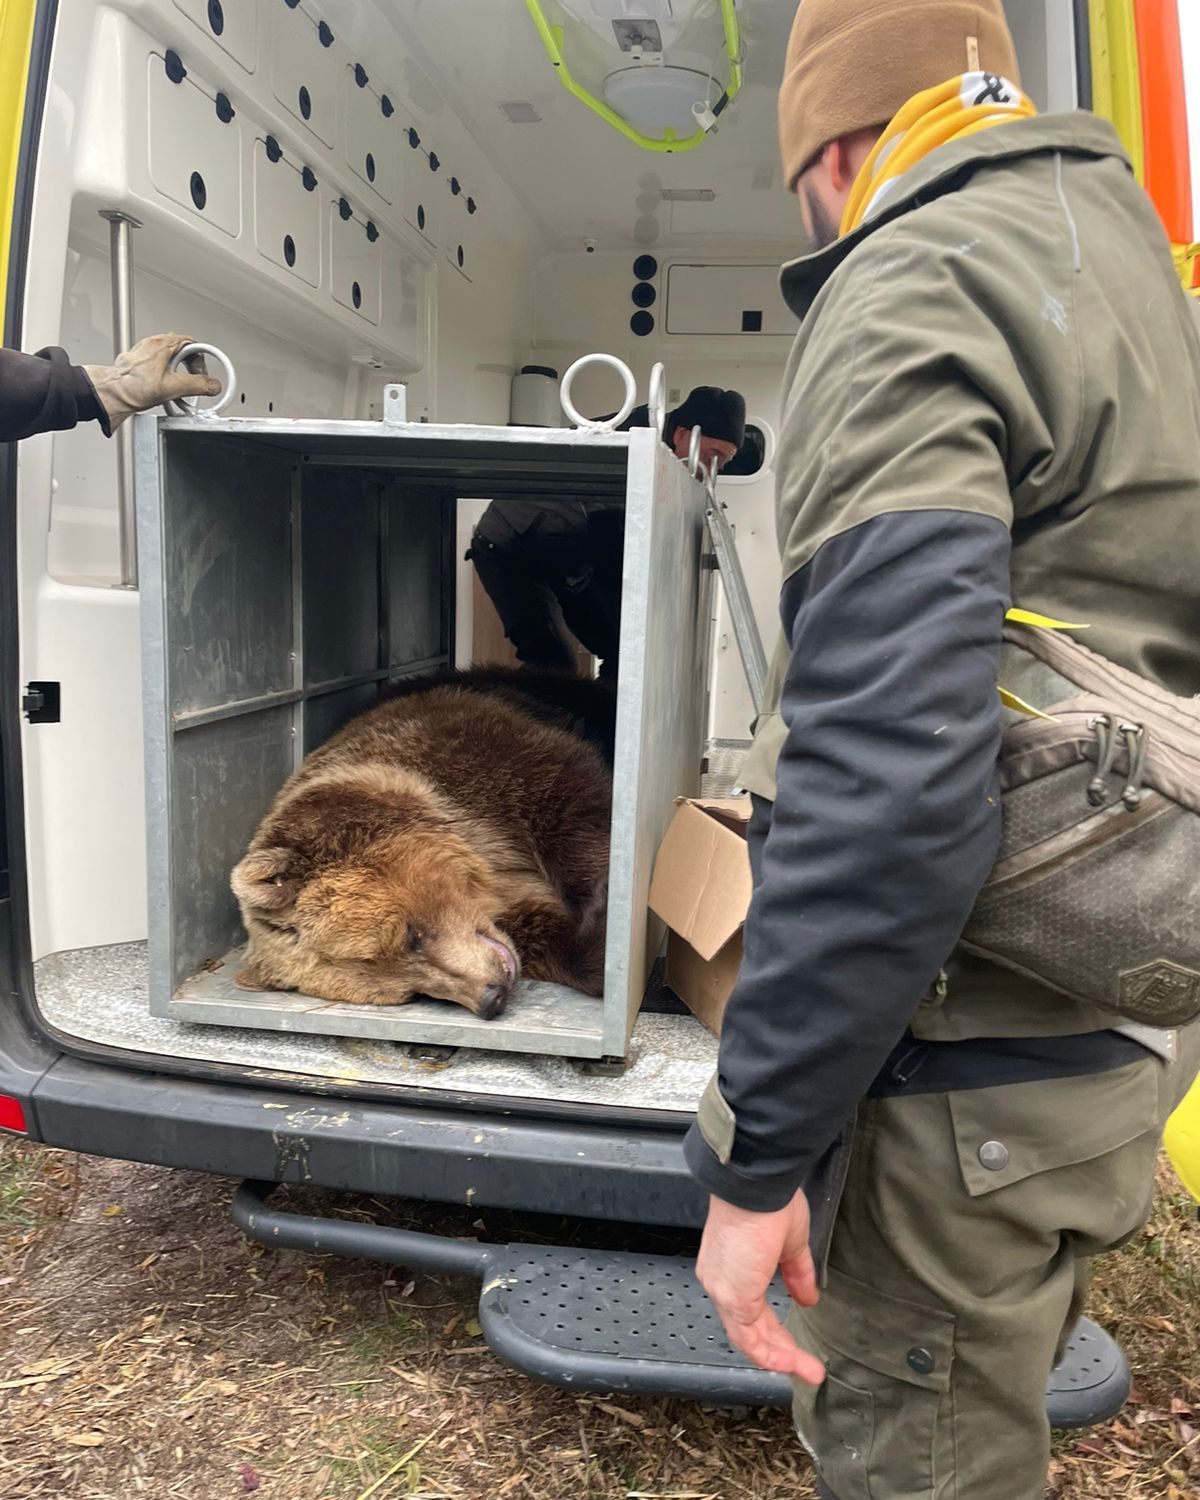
<point>428,196</point>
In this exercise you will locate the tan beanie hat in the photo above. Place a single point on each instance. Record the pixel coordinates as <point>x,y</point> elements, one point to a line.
<point>851,64</point>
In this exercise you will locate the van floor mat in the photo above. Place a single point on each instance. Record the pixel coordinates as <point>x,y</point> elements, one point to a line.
<point>641,1325</point>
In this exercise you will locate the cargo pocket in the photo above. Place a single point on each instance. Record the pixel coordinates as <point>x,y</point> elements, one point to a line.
<point>1015,1131</point>
<point>873,1425</point>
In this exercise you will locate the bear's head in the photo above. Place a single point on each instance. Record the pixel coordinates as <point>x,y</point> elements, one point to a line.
<point>358,906</point>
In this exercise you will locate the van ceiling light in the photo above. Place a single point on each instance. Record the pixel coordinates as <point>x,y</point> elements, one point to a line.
<point>657,98</point>
<point>687,195</point>
<point>681,103</point>
<point>520,112</point>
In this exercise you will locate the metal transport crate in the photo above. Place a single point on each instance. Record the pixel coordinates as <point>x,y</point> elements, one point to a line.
<point>287,569</point>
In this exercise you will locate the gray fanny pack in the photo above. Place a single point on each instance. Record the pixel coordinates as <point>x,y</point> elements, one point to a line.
<point>1096,890</point>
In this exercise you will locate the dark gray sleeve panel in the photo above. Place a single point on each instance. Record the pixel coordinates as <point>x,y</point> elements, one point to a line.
<point>43,392</point>
<point>885,826</point>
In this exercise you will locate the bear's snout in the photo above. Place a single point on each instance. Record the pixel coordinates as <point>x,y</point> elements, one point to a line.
<point>493,1001</point>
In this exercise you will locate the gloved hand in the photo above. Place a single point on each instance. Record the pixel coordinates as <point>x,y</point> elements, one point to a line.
<point>141,378</point>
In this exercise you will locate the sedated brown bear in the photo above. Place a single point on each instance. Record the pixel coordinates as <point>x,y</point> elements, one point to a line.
<point>442,844</point>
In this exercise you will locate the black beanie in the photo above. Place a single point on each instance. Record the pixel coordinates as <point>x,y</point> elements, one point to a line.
<point>717,413</point>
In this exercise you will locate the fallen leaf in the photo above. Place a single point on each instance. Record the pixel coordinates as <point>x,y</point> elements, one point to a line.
<point>1160,1325</point>
<point>472,1327</point>
<point>1091,1445</point>
<point>408,1288</point>
<point>113,1211</point>
<point>1181,1408</point>
<point>85,1439</point>
<point>250,1479</point>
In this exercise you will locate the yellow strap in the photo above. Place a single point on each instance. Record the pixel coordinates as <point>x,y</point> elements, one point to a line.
<point>1045,622</point>
<point>1027,617</point>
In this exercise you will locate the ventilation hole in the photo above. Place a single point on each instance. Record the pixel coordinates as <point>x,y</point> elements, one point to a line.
<point>645,267</point>
<point>224,109</point>
<point>305,100</point>
<point>324,35</point>
<point>270,406</point>
<point>644,295</point>
<point>173,66</point>
<point>289,249</point>
<point>414,140</point>
<point>216,17</point>
<point>455,186</point>
<point>420,216</point>
<point>344,208</point>
<point>243,398</point>
<point>273,148</point>
<point>360,75</point>
<point>462,259</point>
<point>642,323</point>
<point>386,105</point>
<point>309,178</point>
<point>199,191</point>
<point>435,161</point>
<point>472,206</point>
<point>370,167</point>
<point>356,295</point>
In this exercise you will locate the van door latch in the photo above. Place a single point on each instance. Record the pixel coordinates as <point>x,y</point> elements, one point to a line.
<point>41,702</point>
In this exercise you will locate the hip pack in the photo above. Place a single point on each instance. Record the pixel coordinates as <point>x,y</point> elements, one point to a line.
<point>1096,890</point>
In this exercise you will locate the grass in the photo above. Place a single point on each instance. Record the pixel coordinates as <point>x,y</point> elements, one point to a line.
<point>156,1352</point>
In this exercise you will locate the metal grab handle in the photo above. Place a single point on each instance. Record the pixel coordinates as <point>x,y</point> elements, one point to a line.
<point>120,227</point>
<point>741,611</point>
<point>186,406</point>
<point>590,424</point>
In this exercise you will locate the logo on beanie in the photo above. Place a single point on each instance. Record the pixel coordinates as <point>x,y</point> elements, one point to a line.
<point>988,88</point>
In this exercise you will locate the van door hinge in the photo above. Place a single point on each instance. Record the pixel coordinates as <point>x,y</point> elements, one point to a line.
<point>41,702</point>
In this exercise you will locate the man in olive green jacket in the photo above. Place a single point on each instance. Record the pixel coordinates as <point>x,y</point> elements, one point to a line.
<point>992,400</point>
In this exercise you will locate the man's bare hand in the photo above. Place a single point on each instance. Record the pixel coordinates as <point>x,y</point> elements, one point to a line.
<point>739,1255</point>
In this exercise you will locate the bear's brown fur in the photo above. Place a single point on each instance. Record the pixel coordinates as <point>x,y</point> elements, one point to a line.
<point>440,845</point>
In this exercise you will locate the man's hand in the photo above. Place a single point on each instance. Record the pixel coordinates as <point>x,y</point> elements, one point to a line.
<point>141,378</point>
<point>739,1255</point>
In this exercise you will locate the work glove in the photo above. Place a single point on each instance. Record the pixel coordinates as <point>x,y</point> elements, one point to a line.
<point>141,378</point>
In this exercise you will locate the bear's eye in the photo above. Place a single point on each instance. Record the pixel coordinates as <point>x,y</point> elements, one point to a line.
<point>414,941</point>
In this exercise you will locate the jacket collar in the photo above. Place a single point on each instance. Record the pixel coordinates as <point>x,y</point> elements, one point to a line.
<point>944,170</point>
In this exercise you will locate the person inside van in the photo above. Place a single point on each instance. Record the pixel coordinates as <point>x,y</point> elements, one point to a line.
<point>45,392</point>
<point>546,564</point>
<point>991,402</point>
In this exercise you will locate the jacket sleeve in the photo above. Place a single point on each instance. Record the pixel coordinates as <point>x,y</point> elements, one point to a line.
<point>44,392</point>
<point>884,827</point>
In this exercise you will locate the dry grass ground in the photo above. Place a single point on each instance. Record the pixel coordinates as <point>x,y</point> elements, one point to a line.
<point>151,1350</point>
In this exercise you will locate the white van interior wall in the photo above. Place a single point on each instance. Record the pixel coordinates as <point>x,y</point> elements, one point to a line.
<point>585,303</point>
<point>316,309</point>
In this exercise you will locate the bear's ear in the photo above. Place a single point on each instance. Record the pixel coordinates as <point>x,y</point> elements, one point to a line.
<point>267,880</point>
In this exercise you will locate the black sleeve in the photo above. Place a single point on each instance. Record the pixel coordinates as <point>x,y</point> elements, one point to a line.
<point>885,825</point>
<point>44,392</point>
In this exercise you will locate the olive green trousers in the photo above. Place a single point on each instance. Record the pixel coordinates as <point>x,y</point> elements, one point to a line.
<point>964,1231</point>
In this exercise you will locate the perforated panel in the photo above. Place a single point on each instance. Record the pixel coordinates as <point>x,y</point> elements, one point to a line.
<point>195,158</point>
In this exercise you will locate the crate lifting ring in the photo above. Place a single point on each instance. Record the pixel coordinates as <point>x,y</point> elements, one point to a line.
<point>695,467</point>
<point>590,424</point>
<point>658,398</point>
<point>186,406</point>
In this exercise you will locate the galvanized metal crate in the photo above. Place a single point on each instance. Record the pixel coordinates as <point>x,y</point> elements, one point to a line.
<point>287,569</point>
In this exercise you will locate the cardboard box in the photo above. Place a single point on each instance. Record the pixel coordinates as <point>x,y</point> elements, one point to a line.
<point>701,890</point>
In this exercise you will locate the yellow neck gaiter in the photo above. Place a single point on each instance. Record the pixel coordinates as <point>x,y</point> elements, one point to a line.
<point>957,108</point>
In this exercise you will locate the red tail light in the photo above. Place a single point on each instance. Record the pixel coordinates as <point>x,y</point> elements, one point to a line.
<point>12,1116</point>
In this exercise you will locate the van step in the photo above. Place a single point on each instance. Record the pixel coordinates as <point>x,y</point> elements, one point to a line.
<point>598,1320</point>
<point>641,1325</point>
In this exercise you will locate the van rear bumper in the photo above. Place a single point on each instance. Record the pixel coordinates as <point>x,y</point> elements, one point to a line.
<point>482,1160</point>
